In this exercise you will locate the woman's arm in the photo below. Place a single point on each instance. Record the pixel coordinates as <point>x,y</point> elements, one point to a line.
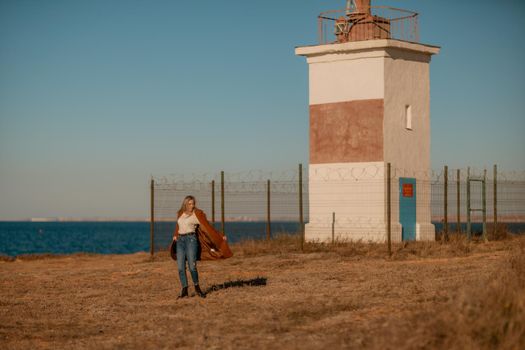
<point>176,232</point>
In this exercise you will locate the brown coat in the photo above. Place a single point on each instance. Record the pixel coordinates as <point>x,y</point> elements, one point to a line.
<point>212,245</point>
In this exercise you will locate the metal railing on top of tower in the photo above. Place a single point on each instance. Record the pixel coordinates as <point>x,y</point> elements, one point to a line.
<point>368,23</point>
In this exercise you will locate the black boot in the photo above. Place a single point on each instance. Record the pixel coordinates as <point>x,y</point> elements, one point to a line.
<point>183,293</point>
<point>199,292</point>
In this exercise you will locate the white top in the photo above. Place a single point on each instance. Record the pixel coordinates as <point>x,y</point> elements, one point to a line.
<point>187,223</point>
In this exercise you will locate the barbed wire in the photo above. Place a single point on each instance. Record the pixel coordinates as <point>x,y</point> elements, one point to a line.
<point>356,195</point>
<point>251,178</point>
<point>240,176</point>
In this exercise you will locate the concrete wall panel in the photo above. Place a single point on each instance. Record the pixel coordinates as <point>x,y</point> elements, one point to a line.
<point>346,80</point>
<point>346,132</point>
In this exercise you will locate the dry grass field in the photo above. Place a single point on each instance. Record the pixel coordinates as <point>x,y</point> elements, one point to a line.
<point>432,295</point>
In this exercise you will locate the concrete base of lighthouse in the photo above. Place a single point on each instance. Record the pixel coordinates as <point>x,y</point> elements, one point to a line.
<point>358,231</point>
<point>425,232</point>
<point>348,203</point>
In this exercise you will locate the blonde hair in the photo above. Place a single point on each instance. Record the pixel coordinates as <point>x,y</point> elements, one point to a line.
<point>184,203</point>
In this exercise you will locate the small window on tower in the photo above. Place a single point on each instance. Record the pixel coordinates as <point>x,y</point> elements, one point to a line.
<point>408,117</point>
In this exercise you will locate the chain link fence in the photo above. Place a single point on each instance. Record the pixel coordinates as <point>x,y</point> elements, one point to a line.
<point>259,204</point>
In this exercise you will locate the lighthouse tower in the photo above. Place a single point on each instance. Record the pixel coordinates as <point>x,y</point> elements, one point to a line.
<point>369,99</point>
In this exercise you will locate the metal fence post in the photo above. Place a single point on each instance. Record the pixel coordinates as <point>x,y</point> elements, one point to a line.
<point>484,200</point>
<point>333,227</point>
<point>212,201</point>
<point>222,202</point>
<point>268,228</point>
<point>388,209</point>
<point>495,200</point>
<point>152,219</point>
<point>458,228</point>
<point>468,204</point>
<point>445,204</point>
<point>301,218</point>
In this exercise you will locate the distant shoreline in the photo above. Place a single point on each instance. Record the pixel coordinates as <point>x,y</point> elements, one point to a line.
<point>510,219</point>
<point>138,220</point>
<point>516,220</point>
<point>76,220</point>
<point>500,221</point>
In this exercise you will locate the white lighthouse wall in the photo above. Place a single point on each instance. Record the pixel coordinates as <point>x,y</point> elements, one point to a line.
<point>397,74</point>
<point>407,83</point>
<point>355,193</point>
<point>346,77</point>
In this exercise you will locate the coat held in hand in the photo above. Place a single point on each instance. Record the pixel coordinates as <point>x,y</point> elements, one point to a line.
<point>212,245</point>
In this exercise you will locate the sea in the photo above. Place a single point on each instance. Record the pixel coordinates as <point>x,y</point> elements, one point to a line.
<point>22,237</point>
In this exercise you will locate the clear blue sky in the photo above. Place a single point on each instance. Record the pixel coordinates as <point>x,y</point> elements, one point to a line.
<point>95,96</point>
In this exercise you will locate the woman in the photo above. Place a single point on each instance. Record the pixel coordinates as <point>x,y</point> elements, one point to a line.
<point>195,239</point>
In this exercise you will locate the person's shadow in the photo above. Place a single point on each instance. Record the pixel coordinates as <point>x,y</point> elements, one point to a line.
<point>258,281</point>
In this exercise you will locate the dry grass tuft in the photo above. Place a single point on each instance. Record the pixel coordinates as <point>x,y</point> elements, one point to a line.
<point>501,232</point>
<point>280,244</point>
<point>53,256</point>
<point>6,258</point>
<point>44,256</point>
<point>456,246</point>
<point>488,316</point>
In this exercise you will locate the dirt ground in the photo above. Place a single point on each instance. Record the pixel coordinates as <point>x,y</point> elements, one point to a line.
<point>347,296</point>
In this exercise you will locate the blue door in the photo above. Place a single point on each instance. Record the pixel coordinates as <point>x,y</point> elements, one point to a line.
<point>407,208</point>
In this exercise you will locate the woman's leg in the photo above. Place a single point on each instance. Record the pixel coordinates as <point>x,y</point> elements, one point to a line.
<point>181,260</point>
<point>192,258</point>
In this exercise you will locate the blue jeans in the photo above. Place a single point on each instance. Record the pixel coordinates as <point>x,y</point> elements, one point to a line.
<point>187,249</point>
